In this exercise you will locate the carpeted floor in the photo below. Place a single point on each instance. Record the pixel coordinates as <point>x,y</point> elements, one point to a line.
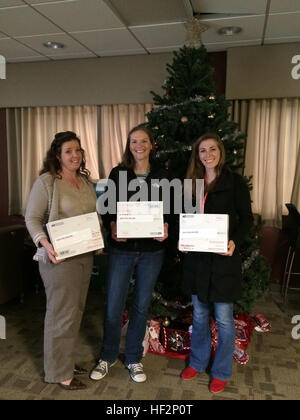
<point>273,372</point>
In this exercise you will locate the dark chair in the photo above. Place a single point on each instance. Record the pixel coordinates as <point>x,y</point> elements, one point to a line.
<point>11,262</point>
<point>293,230</point>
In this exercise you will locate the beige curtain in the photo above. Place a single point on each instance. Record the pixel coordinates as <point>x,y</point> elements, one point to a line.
<point>239,113</point>
<point>116,122</point>
<point>272,155</point>
<point>296,187</point>
<point>37,127</point>
<point>14,160</point>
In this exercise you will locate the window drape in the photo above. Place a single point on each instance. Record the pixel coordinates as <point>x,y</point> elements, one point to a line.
<point>36,128</point>
<point>272,155</point>
<point>116,122</point>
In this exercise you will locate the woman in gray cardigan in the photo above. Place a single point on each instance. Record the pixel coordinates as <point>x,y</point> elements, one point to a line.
<point>62,190</point>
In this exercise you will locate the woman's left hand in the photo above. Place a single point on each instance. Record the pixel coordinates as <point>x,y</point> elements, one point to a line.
<point>231,248</point>
<point>166,234</point>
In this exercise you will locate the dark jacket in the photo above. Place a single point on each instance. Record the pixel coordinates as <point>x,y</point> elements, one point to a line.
<point>213,277</point>
<point>140,245</point>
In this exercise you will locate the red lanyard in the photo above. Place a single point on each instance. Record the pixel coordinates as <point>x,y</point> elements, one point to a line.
<point>202,202</point>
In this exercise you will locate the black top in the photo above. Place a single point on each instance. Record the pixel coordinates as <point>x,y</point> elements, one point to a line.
<point>213,277</point>
<point>140,245</point>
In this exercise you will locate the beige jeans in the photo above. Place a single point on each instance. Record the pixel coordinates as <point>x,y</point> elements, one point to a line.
<point>66,287</point>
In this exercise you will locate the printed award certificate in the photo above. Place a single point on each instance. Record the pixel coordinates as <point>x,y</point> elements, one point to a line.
<point>204,232</point>
<point>140,219</point>
<point>75,235</point>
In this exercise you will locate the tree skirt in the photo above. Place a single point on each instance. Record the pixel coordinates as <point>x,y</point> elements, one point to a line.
<point>175,342</point>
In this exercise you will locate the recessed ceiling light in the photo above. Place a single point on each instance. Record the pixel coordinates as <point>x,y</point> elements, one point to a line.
<point>54,45</point>
<point>229,30</point>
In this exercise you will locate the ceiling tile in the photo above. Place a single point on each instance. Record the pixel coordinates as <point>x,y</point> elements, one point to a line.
<point>80,15</point>
<point>164,49</point>
<point>11,3</point>
<point>154,36</point>
<point>229,6</point>
<point>283,40</point>
<point>283,25</point>
<point>252,28</point>
<point>224,46</point>
<point>122,52</point>
<point>30,59</point>
<point>36,42</point>
<point>45,1</point>
<point>145,12</point>
<point>108,40</point>
<point>23,20</point>
<point>10,48</point>
<point>280,6</point>
<point>63,56</point>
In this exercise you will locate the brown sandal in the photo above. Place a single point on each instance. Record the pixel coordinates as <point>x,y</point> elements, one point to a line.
<point>75,385</point>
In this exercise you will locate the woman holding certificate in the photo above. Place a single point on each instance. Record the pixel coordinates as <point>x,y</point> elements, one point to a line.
<point>142,254</point>
<point>62,190</point>
<point>214,280</point>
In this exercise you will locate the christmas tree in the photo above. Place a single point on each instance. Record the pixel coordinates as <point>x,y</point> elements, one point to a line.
<point>189,108</point>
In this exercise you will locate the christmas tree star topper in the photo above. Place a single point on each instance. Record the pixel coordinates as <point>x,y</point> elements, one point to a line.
<point>195,28</point>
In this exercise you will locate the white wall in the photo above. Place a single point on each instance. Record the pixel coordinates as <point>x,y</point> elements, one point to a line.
<point>108,80</point>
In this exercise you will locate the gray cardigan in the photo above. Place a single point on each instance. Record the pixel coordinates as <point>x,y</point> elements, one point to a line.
<point>42,206</point>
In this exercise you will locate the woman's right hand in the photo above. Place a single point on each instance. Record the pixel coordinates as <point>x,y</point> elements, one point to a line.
<point>50,251</point>
<point>113,228</point>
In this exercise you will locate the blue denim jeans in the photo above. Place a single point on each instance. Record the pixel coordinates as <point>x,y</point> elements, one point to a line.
<point>201,338</point>
<point>121,266</point>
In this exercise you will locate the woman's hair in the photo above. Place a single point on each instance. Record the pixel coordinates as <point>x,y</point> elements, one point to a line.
<point>196,169</point>
<point>52,164</point>
<point>128,159</point>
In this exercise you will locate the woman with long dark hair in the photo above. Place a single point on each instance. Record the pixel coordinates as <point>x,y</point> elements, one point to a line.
<point>145,256</point>
<point>214,280</point>
<point>63,190</point>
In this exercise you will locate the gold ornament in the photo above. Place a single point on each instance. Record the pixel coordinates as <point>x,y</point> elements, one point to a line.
<point>184,120</point>
<point>166,322</point>
<point>235,152</point>
<point>212,97</point>
<point>194,29</point>
<point>211,116</point>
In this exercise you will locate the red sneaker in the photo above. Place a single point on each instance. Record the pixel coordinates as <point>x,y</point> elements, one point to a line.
<point>189,373</point>
<point>217,386</point>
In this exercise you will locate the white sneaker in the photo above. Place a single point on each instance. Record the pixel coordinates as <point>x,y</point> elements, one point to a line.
<point>101,370</point>
<point>137,372</point>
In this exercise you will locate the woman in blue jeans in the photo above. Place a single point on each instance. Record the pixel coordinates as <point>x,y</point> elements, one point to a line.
<point>144,256</point>
<point>214,280</point>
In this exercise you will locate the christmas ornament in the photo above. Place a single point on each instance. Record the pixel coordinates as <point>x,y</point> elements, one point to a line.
<point>211,116</point>
<point>235,152</point>
<point>184,120</point>
<point>212,97</point>
<point>166,322</point>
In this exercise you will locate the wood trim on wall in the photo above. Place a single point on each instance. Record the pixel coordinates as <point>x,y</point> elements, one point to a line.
<point>219,62</point>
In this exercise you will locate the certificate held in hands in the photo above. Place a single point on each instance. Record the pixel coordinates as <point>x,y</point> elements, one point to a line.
<point>140,219</point>
<point>204,233</point>
<point>75,235</point>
